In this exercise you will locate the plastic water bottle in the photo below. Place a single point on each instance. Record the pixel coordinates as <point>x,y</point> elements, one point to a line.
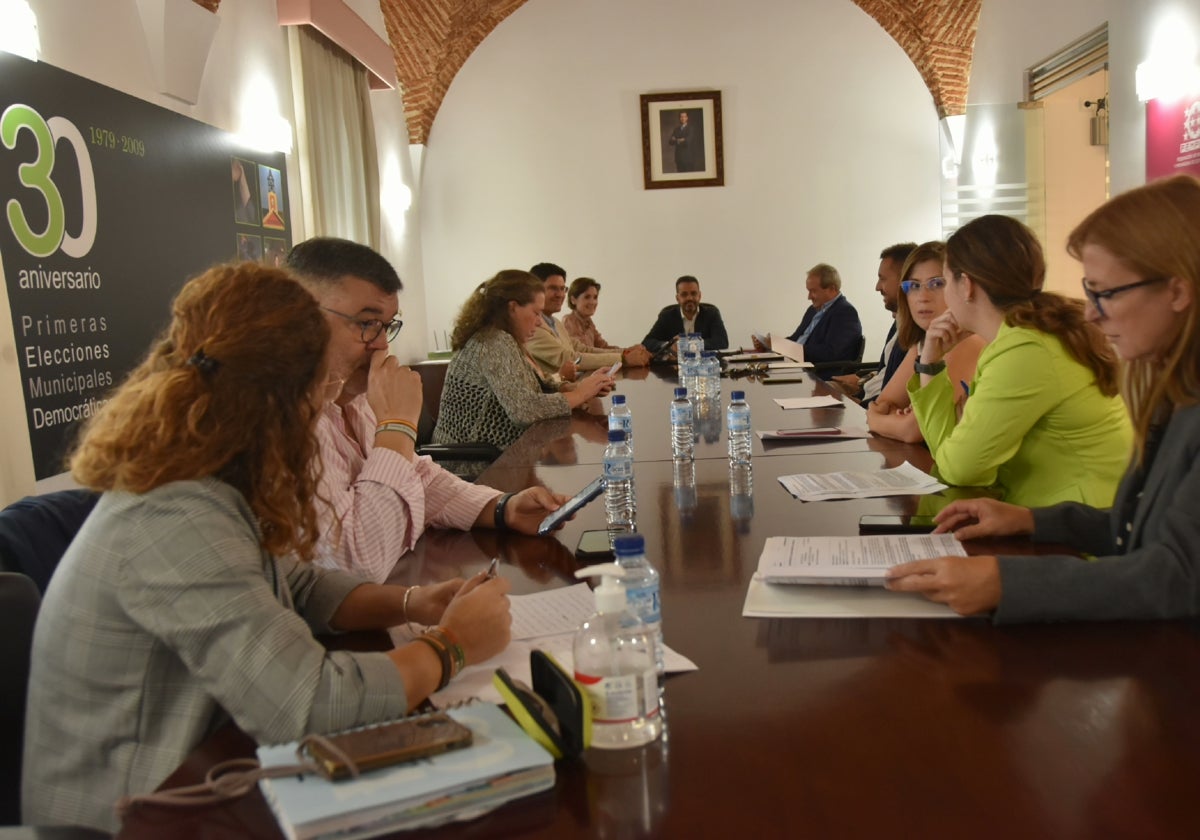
<point>642,597</point>
<point>737,424</point>
<point>683,479</point>
<point>741,495</point>
<point>689,373</point>
<point>683,436</point>
<point>620,417</point>
<point>620,506</point>
<point>614,664</point>
<point>710,375</point>
<point>708,420</point>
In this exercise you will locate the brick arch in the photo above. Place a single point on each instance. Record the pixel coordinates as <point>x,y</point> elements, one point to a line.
<point>432,39</point>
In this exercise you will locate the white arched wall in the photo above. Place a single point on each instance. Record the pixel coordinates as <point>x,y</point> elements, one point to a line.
<point>831,153</point>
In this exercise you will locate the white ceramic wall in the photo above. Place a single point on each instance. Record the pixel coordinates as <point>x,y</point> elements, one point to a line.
<point>831,153</point>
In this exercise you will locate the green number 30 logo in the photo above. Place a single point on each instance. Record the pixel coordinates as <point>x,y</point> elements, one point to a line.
<point>36,175</point>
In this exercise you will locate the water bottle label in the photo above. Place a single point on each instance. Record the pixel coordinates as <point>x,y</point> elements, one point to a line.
<point>644,602</point>
<point>622,699</point>
<point>618,470</point>
<point>681,414</point>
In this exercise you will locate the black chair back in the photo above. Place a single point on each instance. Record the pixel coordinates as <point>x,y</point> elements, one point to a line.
<point>35,531</point>
<point>19,602</point>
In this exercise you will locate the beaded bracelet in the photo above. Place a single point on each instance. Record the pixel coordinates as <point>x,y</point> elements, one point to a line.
<point>443,656</point>
<point>456,650</point>
<point>498,516</point>
<point>404,609</point>
<point>401,426</point>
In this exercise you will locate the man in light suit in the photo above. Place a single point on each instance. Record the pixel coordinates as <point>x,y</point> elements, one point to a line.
<point>690,315</point>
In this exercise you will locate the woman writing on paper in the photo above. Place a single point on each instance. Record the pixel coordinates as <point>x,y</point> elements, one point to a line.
<point>1043,420</point>
<point>494,389</point>
<point>187,597</point>
<point>1141,267</point>
<point>921,300</point>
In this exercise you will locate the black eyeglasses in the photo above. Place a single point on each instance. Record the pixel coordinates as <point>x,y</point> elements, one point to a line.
<point>371,327</point>
<point>932,284</point>
<point>1095,297</point>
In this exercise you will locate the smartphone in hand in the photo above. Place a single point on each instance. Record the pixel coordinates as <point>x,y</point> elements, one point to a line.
<point>573,505</point>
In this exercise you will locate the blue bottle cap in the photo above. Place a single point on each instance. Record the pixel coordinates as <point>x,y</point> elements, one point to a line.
<point>737,395</point>
<point>616,435</point>
<point>627,545</point>
<point>681,393</point>
<point>618,399</point>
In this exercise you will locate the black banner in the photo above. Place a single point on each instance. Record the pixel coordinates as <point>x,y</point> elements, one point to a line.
<point>110,204</point>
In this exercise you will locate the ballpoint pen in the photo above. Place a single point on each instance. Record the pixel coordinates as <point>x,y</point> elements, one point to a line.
<point>491,571</point>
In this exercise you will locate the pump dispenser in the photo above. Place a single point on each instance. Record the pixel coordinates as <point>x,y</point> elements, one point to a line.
<point>614,662</point>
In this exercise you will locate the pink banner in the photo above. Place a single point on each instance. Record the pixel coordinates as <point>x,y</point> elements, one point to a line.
<point>1172,137</point>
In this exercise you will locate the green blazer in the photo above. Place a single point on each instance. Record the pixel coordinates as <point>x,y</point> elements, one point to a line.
<point>1035,424</point>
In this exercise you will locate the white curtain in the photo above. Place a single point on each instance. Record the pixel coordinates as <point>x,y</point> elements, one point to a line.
<point>339,170</point>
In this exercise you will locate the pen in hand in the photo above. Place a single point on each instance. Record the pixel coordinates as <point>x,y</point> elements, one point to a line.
<point>492,568</point>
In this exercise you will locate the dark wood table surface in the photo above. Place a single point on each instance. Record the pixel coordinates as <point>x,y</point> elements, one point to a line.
<point>817,727</point>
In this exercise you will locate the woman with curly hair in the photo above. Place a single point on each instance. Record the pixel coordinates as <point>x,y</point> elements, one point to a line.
<point>494,390</point>
<point>187,597</point>
<point>1043,421</point>
<point>1141,276</point>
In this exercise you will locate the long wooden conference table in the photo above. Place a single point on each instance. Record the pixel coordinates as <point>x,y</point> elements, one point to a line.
<point>805,727</point>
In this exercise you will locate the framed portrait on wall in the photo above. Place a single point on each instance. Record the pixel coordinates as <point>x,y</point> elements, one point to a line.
<point>681,140</point>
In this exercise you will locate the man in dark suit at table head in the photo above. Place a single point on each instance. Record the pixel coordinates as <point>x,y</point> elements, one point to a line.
<point>866,389</point>
<point>689,315</point>
<point>830,330</point>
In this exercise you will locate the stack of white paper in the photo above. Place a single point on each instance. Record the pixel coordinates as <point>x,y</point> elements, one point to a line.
<point>848,561</point>
<point>810,402</point>
<point>904,480</point>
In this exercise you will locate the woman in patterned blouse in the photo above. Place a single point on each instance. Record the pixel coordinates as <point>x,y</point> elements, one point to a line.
<point>493,389</point>
<point>583,296</point>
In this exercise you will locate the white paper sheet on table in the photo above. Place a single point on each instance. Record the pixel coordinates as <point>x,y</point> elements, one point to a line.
<point>769,600</point>
<point>546,621</point>
<point>904,480</point>
<point>847,561</point>
<point>809,402</point>
<point>814,435</point>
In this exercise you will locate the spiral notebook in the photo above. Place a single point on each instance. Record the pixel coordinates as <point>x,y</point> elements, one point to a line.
<point>502,764</point>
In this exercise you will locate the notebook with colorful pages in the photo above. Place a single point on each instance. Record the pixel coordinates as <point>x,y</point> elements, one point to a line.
<point>502,764</point>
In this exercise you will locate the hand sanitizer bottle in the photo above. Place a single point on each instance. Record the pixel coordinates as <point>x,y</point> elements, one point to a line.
<point>614,663</point>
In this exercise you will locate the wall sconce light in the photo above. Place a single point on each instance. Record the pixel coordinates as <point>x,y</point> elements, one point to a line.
<point>1171,72</point>
<point>19,30</point>
<point>1099,121</point>
<point>261,126</point>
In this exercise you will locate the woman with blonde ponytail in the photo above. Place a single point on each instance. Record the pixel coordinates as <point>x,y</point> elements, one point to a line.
<point>1141,277</point>
<point>1042,419</point>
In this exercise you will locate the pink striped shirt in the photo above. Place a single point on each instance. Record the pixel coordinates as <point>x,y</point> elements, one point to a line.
<point>382,501</point>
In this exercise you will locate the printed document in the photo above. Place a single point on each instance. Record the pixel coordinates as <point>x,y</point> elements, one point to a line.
<point>809,402</point>
<point>847,561</point>
<point>904,480</point>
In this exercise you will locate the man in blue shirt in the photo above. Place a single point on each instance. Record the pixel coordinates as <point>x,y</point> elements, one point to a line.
<point>831,330</point>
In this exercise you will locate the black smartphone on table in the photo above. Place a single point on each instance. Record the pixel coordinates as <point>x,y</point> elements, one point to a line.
<point>573,506</point>
<point>895,524</point>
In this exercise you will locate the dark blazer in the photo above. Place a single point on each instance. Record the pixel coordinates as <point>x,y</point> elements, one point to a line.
<point>1149,570</point>
<point>889,365</point>
<point>670,324</point>
<point>837,335</point>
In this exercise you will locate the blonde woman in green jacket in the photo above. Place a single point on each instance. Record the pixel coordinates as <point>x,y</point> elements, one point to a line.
<point>1043,420</point>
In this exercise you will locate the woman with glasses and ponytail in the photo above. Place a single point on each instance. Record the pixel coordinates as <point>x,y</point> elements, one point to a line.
<point>1141,276</point>
<point>921,300</point>
<point>1042,423</point>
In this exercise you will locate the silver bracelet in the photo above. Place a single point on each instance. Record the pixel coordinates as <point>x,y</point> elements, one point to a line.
<point>404,608</point>
<point>397,427</point>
